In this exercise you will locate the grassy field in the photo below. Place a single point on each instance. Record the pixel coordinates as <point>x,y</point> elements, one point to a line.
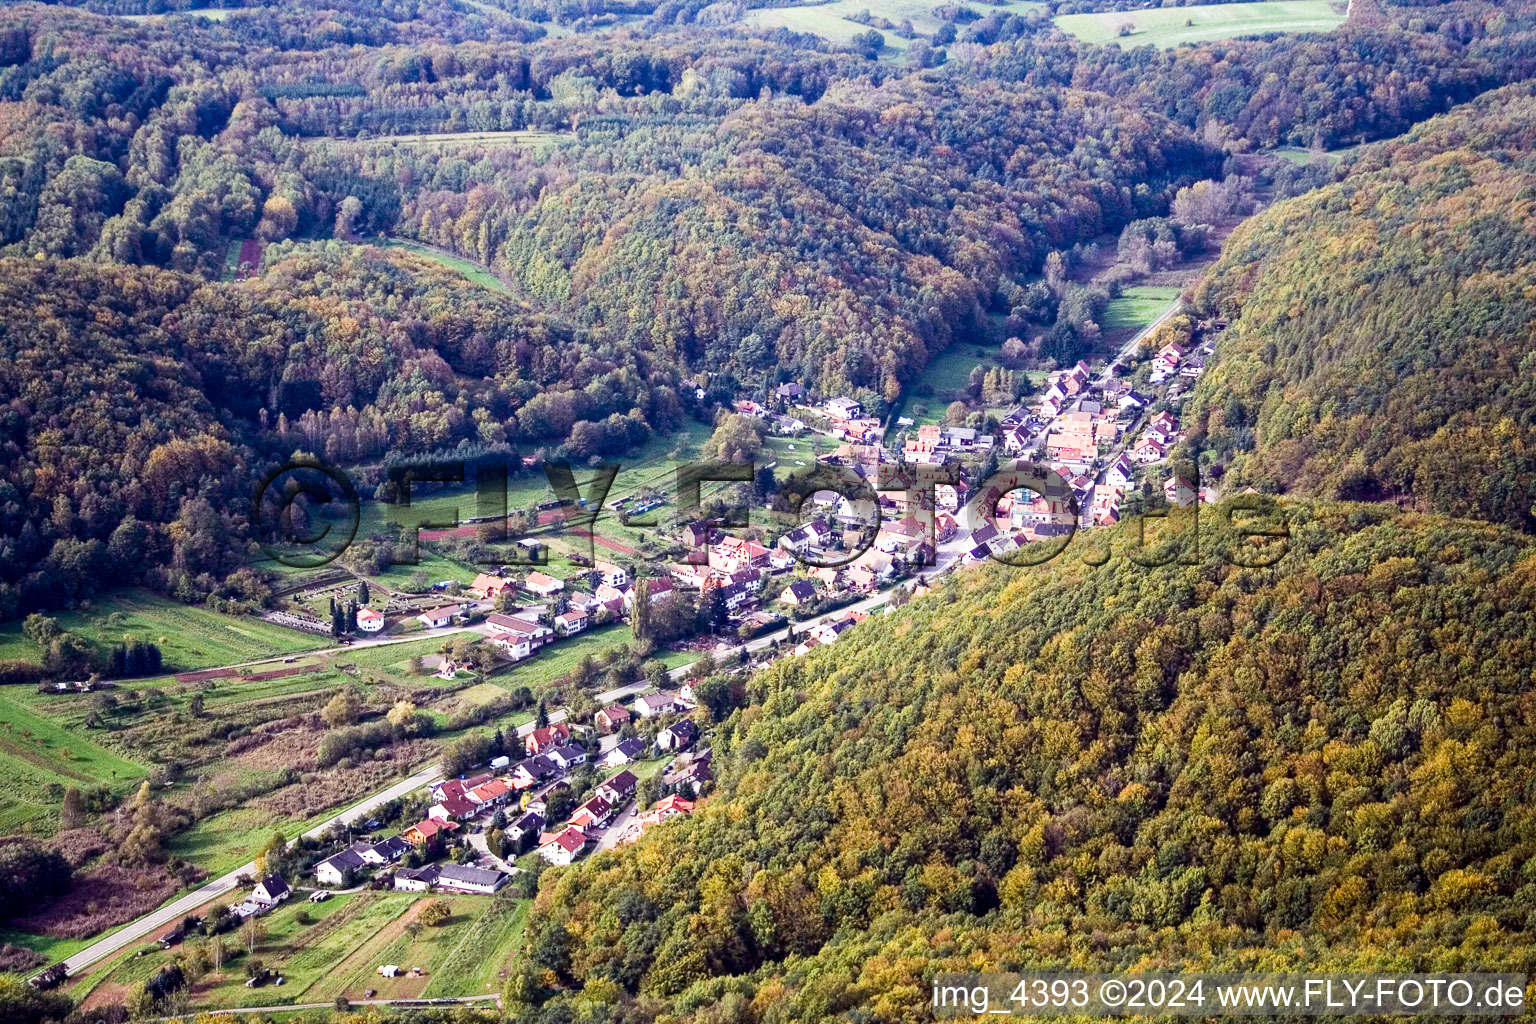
<point>189,637</point>
<point>335,948</point>
<point>834,21</point>
<point>1171,26</point>
<point>528,138</point>
<point>39,757</point>
<point>948,373</point>
<point>472,271</point>
<point>473,964</point>
<point>1303,157</point>
<point>1137,307</point>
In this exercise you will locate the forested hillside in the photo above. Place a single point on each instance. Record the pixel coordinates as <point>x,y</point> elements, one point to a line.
<point>1381,342</point>
<point>136,399</point>
<point>1326,764</point>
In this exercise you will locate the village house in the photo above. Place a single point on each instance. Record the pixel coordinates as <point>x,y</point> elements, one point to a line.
<point>901,538</point>
<point>528,824</point>
<point>611,598</point>
<point>542,584</point>
<point>1179,492</point>
<point>1120,472</point>
<point>1149,450</point>
<point>613,575</point>
<point>611,718</point>
<point>546,738</point>
<point>514,646</point>
<point>1165,427</point>
<point>533,771</point>
<point>691,777</point>
<point>671,806</point>
<point>689,576</point>
<point>536,634</point>
<point>339,869</point>
<point>657,591</point>
<point>789,391</point>
<point>695,534</point>
<point>486,586</point>
<point>489,794</point>
<point>652,704</point>
<point>454,807</point>
<point>564,847</point>
<point>271,891</point>
<point>570,623</point>
<point>436,618</point>
<point>733,554</point>
<point>369,621</point>
<point>788,426</point>
<point>800,592</point>
<point>595,813</point>
<point>416,879</point>
<point>462,878</point>
<point>619,789</point>
<point>806,536</point>
<point>1131,401</point>
<point>568,756</point>
<point>734,592</point>
<point>678,736</point>
<point>623,753</point>
<point>844,409</point>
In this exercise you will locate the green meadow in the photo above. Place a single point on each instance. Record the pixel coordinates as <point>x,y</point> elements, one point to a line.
<point>189,637</point>
<point>1171,26</point>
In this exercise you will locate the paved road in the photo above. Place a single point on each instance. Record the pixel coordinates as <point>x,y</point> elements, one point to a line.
<point>1125,353</point>
<point>153,923</point>
<point>444,1001</point>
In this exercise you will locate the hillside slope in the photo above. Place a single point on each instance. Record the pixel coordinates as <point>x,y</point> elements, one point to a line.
<point>1383,334</point>
<point>1321,764</point>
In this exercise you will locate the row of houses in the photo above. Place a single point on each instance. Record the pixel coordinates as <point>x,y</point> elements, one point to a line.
<point>935,443</point>
<point>342,869</point>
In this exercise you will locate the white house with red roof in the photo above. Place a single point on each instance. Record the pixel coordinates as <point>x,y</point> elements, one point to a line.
<point>563,847</point>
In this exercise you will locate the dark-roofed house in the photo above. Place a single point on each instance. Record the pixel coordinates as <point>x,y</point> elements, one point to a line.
<point>568,756</point>
<point>533,770</point>
<point>416,879</point>
<point>461,878</point>
<point>271,890</point>
<point>798,593</point>
<point>339,869</point>
<point>619,789</point>
<point>391,849</point>
<point>624,753</point>
<point>595,811</point>
<point>528,824</point>
<point>678,736</point>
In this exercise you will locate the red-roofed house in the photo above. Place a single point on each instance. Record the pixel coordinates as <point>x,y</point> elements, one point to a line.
<point>550,736</point>
<point>486,586</point>
<point>564,847</point>
<point>423,831</point>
